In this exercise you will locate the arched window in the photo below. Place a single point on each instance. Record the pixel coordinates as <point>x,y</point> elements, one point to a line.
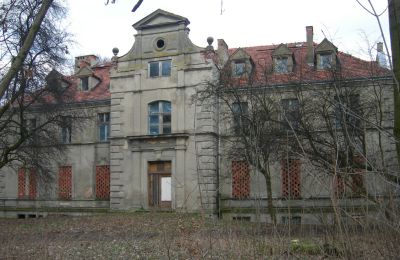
<point>160,117</point>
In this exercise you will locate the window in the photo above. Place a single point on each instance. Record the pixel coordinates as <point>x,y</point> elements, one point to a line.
<point>85,83</point>
<point>325,61</point>
<point>65,182</point>
<point>281,65</point>
<point>27,186</point>
<point>160,68</point>
<point>160,117</point>
<point>66,130</point>
<point>240,180</point>
<point>103,182</point>
<point>291,115</point>
<point>240,117</point>
<point>347,111</point>
<point>104,126</point>
<point>291,178</point>
<point>240,68</point>
<point>29,129</point>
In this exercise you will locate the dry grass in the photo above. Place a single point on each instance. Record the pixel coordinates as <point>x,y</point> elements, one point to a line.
<point>180,236</point>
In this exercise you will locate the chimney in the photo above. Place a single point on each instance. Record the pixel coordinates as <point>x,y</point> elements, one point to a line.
<point>310,46</point>
<point>380,55</point>
<point>222,51</point>
<point>85,61</point>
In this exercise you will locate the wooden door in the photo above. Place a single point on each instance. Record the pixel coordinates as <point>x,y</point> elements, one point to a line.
<point>159,184</point>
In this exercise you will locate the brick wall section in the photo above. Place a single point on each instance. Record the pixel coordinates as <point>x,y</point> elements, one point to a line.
<point>103,182</point>
<point>240,180</point>
<point>291,186</point>
<point>65,182</point>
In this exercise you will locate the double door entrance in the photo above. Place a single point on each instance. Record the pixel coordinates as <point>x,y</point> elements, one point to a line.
<point>159,184</point>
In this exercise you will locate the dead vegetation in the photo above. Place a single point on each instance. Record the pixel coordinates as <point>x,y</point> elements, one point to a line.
<point>182,236</point>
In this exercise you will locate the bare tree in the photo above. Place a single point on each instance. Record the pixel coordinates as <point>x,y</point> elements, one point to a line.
<point>332,126</point>
<point>33,95</point>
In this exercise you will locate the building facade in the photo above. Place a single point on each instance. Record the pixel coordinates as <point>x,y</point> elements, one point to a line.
<point>151,140</point>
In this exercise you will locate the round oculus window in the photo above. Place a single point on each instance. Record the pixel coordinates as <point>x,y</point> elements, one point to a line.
<point>160,44</point>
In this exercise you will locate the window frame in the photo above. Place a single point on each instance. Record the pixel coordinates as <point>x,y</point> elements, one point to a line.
<point>159,116</point>
<point>103,121</point>
<point>290,113</point>
<point>161,70</point>
<point>239,68</point>
<point>84,82</point>
<point>350,103</point>
<point>66,130</point>
<point>323,57</point>
<point>240,112</point>
<point>278,65</point>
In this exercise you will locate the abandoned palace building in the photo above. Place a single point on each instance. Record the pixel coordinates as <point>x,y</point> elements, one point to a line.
<point>151,141</point>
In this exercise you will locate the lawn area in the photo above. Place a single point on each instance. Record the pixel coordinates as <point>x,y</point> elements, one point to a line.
<point>180,236</point>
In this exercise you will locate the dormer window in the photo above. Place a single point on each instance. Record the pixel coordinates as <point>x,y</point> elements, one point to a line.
<point>85,83</point>
<point>241,64</point>
<point>240,68</point>
<point>87,79</point>
<point>326,55</point>
<point>281,65</point>
<point>325,61</point>
<point>283,59</point>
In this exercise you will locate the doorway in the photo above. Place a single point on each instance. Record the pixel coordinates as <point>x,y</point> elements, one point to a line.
<point>159,184</point>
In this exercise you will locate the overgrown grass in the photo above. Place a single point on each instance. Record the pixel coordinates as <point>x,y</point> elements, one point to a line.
<point>184,236</point>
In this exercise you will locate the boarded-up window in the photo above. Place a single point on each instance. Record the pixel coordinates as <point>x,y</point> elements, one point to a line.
<point>339,185</point>
<point>27,185</point>
<point>103,182</point>
<point>65,182</point>
<point>240,180</point>
<point>357,182</point>
<point>291,188</point>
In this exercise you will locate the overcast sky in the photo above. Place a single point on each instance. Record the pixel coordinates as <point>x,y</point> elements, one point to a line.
<point>98,28</point>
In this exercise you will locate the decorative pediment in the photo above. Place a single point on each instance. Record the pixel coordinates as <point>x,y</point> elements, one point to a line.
<point>240,54</point>
<point>160,18</point>
<point>84,72</point>
<point>282,50</point>
<point>326,46</point>
<point>56,80</point>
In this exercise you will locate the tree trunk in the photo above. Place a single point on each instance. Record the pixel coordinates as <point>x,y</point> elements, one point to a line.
<point>394,22</point>
<point>23,52</point>
<point>271,209</point>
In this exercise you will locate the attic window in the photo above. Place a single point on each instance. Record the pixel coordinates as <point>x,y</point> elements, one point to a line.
<point>85,83</point>
<point>325,61</point>
<point>240,68</point>
<point>281,65</point>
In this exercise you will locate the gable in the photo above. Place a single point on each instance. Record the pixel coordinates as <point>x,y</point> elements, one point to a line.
<point>240,54</point>
<point>160,18</point>
<point>282,50</point>
<point>326,46</point>
<point>84,72</point>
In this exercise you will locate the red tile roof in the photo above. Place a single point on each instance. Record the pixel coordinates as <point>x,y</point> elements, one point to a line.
<point>351,66</point>
<point>100,92</point>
